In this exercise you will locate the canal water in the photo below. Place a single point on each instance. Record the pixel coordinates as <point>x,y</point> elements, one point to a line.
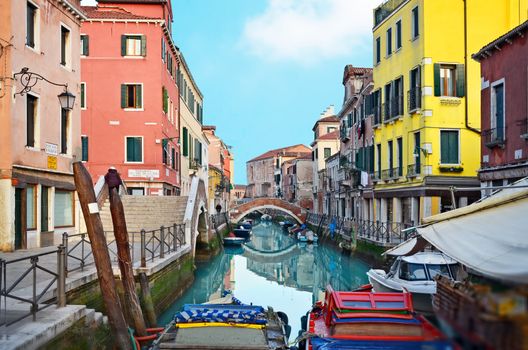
<point>273,270</point>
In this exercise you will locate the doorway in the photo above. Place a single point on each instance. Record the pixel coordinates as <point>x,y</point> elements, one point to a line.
<point>44,209</point>
<point>20,219</point>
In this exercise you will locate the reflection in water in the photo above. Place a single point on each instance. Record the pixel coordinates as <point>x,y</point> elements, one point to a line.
<point>274,270</point>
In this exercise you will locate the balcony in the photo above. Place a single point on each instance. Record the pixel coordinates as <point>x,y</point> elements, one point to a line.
<point>414,99</point>
<point>344,133</point>
<point>194,164</point>
<point>384,10</point>
<point>393,108</point>
<point>391,174</point>
<point>413,170</point>
<point>375,176</point>
<point>494,137</point>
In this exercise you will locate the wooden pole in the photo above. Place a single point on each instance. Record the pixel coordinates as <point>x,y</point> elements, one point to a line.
<point>125,262</point>
<point>148,305</point>
<point>94,226</point>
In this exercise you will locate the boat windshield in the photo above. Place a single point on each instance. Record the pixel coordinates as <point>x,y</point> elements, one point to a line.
<point>439,269</point>
<point>412,272</point>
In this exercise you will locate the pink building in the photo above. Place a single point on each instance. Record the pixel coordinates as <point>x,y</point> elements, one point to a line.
<point>130,96</point>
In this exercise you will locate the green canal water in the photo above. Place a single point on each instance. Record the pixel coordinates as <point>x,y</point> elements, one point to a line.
<point>273,270</point>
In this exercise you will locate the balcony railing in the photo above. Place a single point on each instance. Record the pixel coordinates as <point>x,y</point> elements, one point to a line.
<point>375,176</point>
<point>384,10</point>
<point>413,170</point>
<point>414,99</point>
<point>386,111</point>
<point>494,137</point>
<point>391,174</point>
<point>397,106</point>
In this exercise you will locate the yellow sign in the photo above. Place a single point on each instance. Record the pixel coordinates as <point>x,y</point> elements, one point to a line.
<point>52,162</point>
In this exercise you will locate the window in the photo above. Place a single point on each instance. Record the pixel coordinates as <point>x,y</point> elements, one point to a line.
<point>31,212</point>
<point>65,127</point>
<point>449,150</point>
<point>412,272</point>
<point>399,143</point>
<point>165,151</point>
<point>133,45</point>
<point>163,49</point>
<point>84,147</point>
<point>317,153</point>
<point>390,157</point>
<point>397,101</point>
<point>31,118</point>
<point>31,23</point>
<point>63,208</point>
<point>65,46</point>
<point>389,42</point>
<point>198,151</point>
<point>131,96</point>
<point>449,80</point>
<point>435,270</point>
<point>378,50</point>
<point>173,158</point>
<point>330,129</point>
<point>417,152</point>
<point>378,151</point>
<point>83,95</point>
<point>398,35</point>
<point>134,149</point>
<point>327,152</point>
<point>415,30</point>
<point>85,45</point>
<point>497,112</point>
<point>387,105</point>
<point>185,138</point>
<point>415,92</point>
<point>165,99</point>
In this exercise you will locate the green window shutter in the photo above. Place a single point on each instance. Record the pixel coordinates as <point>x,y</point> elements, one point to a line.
<point>139,94</point>
<point>437,79</point>
<point>143,45</point>
<point>165,100</point>
<point>130,149</point>
<point>84,145</point>
<point>449,147</point>
<point>123,95</point>
<point>123,45</point>
<point>460,83</point>
<point>86,45</point>
<point>138,149</point>
<point>453,147</point>
<point>173,158</point>
<point>83,97</point>
<point>164,143</point>
<point>185,142</point>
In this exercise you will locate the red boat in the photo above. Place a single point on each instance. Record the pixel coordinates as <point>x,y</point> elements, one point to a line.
<point>366,320</point>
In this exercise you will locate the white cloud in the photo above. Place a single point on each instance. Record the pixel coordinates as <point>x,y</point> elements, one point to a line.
<point>308,31</point>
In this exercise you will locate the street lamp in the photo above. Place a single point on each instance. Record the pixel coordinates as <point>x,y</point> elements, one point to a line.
<point>29,79</point>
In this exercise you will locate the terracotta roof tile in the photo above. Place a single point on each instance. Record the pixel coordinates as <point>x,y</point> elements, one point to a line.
<point>487,50</point>
<point>132,1</point>
<point>330,136</point>
<point>111,12</point>
<point>290,151</point>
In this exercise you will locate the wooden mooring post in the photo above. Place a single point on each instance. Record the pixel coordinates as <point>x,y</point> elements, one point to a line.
<point>125,261</point>
<point>94,226</point>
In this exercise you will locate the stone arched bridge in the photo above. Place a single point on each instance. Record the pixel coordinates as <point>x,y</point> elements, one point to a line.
<point>238,212</point>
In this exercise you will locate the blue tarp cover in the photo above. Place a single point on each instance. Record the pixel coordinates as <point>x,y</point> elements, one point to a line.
<point>328,343</point>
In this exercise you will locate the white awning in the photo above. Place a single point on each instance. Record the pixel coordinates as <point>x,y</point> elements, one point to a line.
<point>490,237</point>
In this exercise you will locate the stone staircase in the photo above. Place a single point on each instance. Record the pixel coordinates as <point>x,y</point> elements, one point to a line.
<point>147,212</point>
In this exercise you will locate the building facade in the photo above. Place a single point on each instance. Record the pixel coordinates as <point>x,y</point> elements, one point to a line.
<point>297,181</point>
<point>504,109</point>
<point>264,173</point>
<point>357,147</point>
<point>427,103</point>
<point>326,143</point>
<point>194,144</point>
<point>131,121</point>
<point>220,171</point>
<point>39,136</point>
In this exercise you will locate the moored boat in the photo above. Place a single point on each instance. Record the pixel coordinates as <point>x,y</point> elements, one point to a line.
<point>233,241</point>
<point>416,274</point>
<point>227,325</point>
<point>366,320</point>
<point>242,232</point>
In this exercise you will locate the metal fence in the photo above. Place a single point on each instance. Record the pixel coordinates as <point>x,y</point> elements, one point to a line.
<point>386,233</point>
<point>26,289</point>
<point>144,246</point>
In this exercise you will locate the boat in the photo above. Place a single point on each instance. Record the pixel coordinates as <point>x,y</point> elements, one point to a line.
<point>245,224</point>
<point>366,320</point>
<point>233,241</point>
<point>242,232</point>
<point>266,217</point>
<point>415,274</point>
<point>226,324</point>
<point>307,236</point>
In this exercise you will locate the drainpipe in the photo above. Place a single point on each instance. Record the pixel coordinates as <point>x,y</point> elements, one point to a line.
<point>466,72</point>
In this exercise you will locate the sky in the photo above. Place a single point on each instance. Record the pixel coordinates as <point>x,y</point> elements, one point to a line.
<point>268,68</point>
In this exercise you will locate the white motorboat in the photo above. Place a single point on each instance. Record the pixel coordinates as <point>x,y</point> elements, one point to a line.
<point>416,274</point>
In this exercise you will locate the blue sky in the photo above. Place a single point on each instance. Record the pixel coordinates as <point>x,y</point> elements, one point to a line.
<point>268,68</point>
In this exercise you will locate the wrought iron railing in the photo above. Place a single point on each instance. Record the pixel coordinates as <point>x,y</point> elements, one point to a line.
<point>413,170</point>
<point>391,174</point>
<point>396,107</point>
<point>414,99</point>
<point>494,137</point>
<point>34,294</point>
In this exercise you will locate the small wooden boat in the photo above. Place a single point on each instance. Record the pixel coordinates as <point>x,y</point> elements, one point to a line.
<point>366,320</point>
<point>228,325</point>
<point>234,241</point>
<point>242,232</point>
<point>266,217</point>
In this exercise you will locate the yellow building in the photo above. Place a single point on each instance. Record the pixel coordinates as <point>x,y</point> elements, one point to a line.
<point>427,102</point>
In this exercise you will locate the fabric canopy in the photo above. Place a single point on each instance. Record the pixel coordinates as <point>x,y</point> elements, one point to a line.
<point>490,237</point>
